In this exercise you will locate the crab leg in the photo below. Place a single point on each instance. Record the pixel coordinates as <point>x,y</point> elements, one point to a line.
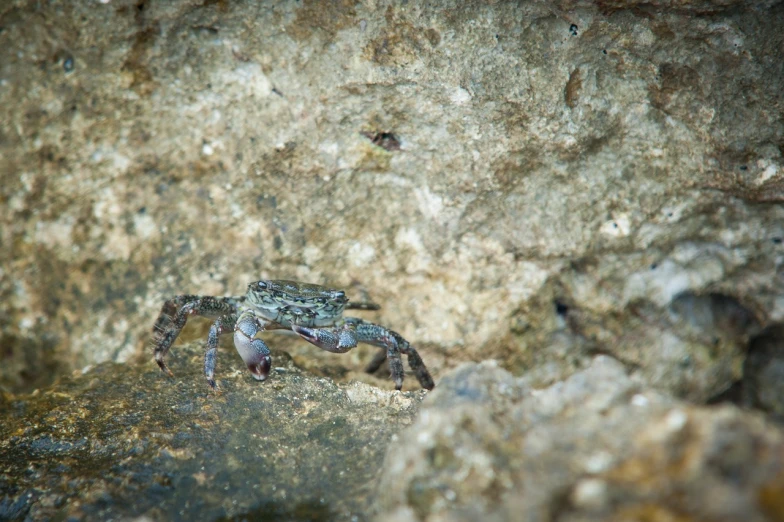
<point>222,325</point>
<point>169,308</point>
<point>342,338</point>
<point>395,345</point>
<point>377,361</point>
<point>188,305</point>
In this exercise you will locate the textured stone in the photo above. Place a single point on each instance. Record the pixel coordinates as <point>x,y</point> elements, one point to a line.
<point>536,183</point>
<point>473,166</point>
<point>121,442</point>
<point>596,446</point>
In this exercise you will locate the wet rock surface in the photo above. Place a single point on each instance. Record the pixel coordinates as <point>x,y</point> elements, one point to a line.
<point>124,441</point>
<point>546,185</point>
<point>596,446</point>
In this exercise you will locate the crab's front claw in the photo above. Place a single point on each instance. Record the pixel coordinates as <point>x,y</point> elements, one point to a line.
<point>336,340</point>
<point>261,370</point>
<point>253,351</point>
<point>311,335</point>
<point>255,354</point>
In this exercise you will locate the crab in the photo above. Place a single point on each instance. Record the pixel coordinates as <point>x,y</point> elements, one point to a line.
<point>313,312</point>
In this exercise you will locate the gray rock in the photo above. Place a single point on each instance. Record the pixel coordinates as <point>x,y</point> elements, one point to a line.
<point>469,165</point>
<point>532,183</point>
<point>120,442</point>
<point>596,446</point>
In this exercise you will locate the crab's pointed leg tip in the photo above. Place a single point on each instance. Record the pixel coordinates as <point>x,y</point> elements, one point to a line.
<point>165,369</point>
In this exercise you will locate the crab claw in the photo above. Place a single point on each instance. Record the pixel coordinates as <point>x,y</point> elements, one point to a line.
<point>335,340</point>
<point>253,351</point>
<point>309,334</point>
<point>261,370</point>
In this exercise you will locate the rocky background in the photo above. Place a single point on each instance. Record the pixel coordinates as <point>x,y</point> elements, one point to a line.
<point>585,193</point>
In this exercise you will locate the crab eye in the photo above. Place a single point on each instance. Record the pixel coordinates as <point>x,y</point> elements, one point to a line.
<point>262,285</point>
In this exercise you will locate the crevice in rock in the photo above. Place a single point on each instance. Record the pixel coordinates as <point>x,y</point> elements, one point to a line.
<point>762,385</point>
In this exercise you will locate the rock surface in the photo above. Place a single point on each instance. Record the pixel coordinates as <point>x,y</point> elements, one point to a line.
<point>120,442</point>
<point>535,183</point>
<point>593,447</point>
<point>474,168</point>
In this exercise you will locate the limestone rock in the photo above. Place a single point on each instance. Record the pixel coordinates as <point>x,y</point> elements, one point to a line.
<point>596,446</point>
<point>473,167</point>
<point>535,183</point>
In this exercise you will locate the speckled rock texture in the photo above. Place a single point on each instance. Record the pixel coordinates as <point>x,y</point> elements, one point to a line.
<point>119,442</point>
<point>473,167</point>
<point>592,447</point>
<point>534,183</point>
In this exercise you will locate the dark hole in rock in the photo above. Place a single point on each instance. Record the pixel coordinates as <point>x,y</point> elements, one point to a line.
<point>714,315</point>
<point>763,372</point>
